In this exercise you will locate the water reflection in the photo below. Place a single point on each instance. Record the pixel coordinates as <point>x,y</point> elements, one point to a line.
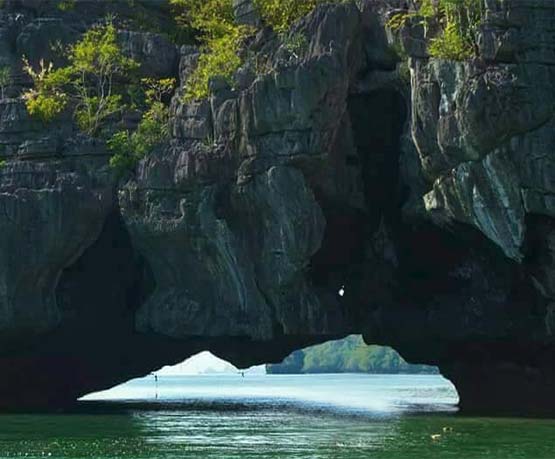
<point>348,393</point>
<point>314,417</point>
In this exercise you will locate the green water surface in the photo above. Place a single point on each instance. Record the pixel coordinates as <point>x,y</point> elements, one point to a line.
<point>267,425</point>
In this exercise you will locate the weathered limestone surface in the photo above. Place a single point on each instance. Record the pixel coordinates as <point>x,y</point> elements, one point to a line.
<point>430,201</point>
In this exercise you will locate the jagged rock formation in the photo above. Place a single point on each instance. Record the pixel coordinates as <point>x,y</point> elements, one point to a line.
<point>430,201</point>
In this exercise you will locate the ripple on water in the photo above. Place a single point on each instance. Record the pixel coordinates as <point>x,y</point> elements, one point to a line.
<point>285,417</point>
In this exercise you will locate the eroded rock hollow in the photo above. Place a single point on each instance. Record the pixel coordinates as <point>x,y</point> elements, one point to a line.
<point>424,188</point>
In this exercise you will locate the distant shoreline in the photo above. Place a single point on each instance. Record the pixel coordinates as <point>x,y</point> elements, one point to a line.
<point>349,355</point>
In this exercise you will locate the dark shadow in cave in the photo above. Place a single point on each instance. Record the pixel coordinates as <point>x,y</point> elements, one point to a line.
<point>95,345</point>
<point>377,121</point>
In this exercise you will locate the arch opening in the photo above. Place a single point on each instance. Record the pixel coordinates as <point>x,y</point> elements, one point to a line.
<point>370,378</point>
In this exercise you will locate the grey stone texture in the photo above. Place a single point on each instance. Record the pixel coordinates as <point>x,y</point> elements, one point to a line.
<point>430,199</point>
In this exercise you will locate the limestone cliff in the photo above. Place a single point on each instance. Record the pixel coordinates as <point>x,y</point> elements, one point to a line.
<point>429,198</point>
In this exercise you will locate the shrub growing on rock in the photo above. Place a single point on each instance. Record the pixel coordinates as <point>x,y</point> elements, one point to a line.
<point>88,82</point>
<point>89,86</point>
<point>47,99</point>
<point>456,22</point>
<point>220,58</point>
<point>130,147</point>
<point>281,14</point>
<point>221,39</point>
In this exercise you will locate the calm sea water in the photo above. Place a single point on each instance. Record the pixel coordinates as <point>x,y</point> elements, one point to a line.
<point>309,417</point>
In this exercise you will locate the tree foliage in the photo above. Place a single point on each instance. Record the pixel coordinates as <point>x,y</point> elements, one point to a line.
<point>130,147</point>
<point>88,82</point>
<point>210,18</point>
<point>281,14</point>
<point>220,58</point>
<point>91,86</point>
<point>456,22</point>
<point>220,37</point>
<point>46,99</point>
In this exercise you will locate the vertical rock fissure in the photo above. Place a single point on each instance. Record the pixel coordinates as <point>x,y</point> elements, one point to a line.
<point>378,119</point>
<point>342,266</point>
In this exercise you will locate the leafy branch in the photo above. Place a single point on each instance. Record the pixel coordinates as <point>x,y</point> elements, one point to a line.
<point>88,83</point>
<point>130,147</point>
<point>457,21</point>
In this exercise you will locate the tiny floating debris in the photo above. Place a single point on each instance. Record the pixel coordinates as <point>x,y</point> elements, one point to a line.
<point>447,429</point>
<point>435,437</point>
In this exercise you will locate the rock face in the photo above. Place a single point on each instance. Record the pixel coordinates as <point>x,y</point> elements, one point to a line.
<point>431,202</point>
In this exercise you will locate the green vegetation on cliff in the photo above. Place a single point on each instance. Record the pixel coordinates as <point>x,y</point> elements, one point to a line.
<point>452,24</point>
<point>88,82</point>
<point>91,87</point>
<point>130,147</point>
<point>281,14</point>
<point>95,85</point>
<point>350,355</point>
<point>221,37</point>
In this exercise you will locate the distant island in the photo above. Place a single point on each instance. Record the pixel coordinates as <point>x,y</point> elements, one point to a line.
<point>349,355</point>
<point>205,363</point>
